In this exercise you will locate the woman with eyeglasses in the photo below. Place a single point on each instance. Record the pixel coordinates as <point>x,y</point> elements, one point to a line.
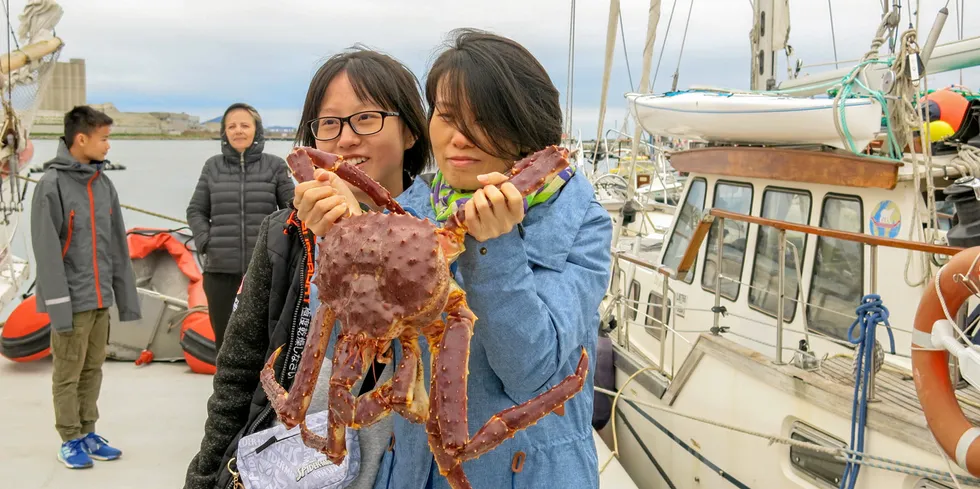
<point>365,106</point>
<point>237,190</point>
<point>534,272</point>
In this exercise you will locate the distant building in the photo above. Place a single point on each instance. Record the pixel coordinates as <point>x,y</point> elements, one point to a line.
<point>150,123</point>
<point>66,88</point>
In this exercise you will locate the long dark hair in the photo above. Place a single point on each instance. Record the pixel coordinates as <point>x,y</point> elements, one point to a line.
<point>381,79</point>
<point>509,93</point>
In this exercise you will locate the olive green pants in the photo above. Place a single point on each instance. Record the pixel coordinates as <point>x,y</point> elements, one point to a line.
<point>77,379</point>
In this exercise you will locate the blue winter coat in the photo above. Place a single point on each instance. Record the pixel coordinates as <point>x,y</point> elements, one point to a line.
<point>536,295</point>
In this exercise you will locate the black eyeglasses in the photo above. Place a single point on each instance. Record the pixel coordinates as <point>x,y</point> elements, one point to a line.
<point>362,123</point>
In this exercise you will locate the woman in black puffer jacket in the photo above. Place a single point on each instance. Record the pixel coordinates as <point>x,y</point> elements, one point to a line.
<point>237,190</point>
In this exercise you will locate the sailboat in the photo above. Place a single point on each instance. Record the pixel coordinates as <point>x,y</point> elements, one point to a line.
<point>25,71</point>
<point>744,346</point>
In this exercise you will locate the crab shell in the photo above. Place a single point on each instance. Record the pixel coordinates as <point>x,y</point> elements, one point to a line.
<point>387,272</point>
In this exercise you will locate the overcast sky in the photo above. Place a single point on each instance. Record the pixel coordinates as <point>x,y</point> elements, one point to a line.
<point>199,56</point>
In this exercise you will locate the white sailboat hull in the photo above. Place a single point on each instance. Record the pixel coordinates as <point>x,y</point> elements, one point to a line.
<point>755,118</point>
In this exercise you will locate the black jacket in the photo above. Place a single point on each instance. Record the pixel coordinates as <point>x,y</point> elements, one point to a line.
<point>273,295</point>
<point>235,193</point>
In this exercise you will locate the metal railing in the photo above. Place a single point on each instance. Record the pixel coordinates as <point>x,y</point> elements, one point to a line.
<point>699,235</point>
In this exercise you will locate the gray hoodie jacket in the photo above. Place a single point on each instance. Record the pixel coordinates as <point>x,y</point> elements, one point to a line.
<point>79,242</point>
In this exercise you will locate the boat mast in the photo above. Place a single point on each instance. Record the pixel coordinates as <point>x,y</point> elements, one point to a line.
<point>653,18</point>
<point>763,76</point>
<point>770,33</point>
<point>607,70</point>
<point>570,86</point>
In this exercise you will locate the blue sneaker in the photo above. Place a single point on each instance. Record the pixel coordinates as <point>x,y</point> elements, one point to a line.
<point>98,448</point>
<point>73,455</point>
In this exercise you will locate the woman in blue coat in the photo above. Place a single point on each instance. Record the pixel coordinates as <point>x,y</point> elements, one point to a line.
<point>533,280</point>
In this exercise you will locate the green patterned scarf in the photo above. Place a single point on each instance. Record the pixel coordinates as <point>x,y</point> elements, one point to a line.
<point>447,200</point>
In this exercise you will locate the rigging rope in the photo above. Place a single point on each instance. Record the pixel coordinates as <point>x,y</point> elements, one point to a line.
<point>680,56</point>
<point>663,48</point>
<point>856,457</point>
<point>125,206</point>
<point>626,51</point>
<point>833,34</point>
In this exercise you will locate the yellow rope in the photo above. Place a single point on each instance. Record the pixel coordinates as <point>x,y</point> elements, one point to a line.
<point>125,206</point>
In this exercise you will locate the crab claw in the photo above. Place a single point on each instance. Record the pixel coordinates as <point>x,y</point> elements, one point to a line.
<point>300,165</point>
<point>528,175</point>
<point>355,176</point>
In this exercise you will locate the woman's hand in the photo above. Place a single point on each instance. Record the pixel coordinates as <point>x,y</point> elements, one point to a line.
<point>323,201</point>
<point>494,209</point>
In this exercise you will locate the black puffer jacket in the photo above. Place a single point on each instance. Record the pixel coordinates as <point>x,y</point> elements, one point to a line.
<point>235,193</point>
<point>271,301</point>
<point>272,311</point>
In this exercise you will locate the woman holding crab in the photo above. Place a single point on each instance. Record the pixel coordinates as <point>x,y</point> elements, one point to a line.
<point>363,105</point>
<point>534,270</point>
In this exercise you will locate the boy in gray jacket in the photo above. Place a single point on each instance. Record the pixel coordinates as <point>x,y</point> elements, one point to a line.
<point>79,242</point>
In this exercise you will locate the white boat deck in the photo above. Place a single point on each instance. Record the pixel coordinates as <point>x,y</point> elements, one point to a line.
<point>896,390</point>
<point>155,414</point>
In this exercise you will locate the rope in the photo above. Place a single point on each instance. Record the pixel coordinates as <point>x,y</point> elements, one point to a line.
<point>888,22</point>
<point>125,206</point>
<point>858,457</point>
<point>870,313</point>
<point>626,52</point>
<point>663,48</point>
<point>833,35</point>
<point>680,56</point>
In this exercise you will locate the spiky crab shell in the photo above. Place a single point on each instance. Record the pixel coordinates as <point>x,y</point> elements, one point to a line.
<point>375,270</point>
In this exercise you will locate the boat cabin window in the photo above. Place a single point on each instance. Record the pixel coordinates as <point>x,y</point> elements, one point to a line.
<point>732,197</point>
<point>687,222</point>
<point>654,310</point>
<point>634,299</point>
<point>781,205</point>
<point>838,269</point>
<point>823,469</point>
<point>930,484</point>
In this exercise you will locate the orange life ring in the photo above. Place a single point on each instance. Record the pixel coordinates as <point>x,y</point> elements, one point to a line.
<point>930,366</point>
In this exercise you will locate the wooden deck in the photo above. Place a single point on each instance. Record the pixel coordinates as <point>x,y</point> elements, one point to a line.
<point>897,389</point>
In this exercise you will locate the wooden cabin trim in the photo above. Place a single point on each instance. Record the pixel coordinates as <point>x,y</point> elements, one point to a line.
<point>833,233</point>
<point>694,246</point>
<point>789,165</point>
<point>687,369</point>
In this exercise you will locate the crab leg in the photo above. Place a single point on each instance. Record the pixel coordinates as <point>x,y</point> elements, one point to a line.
<point>409,397</point>
<point>291,407</point>
<point>449,466</point>
<point>404,392</point>
<point>346,171</point>
<point>450,370</point>
<point>504,424</point>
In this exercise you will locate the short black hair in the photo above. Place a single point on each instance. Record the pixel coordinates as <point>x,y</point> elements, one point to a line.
<point>84,120</point>
<point>507,90</point>
<point>381,79</point>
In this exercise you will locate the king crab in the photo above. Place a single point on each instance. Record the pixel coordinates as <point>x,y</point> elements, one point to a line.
<point>386,277</point>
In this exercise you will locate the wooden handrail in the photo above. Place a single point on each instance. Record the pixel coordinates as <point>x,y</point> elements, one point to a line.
<point>832,233</point>
<point>662,270</point>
